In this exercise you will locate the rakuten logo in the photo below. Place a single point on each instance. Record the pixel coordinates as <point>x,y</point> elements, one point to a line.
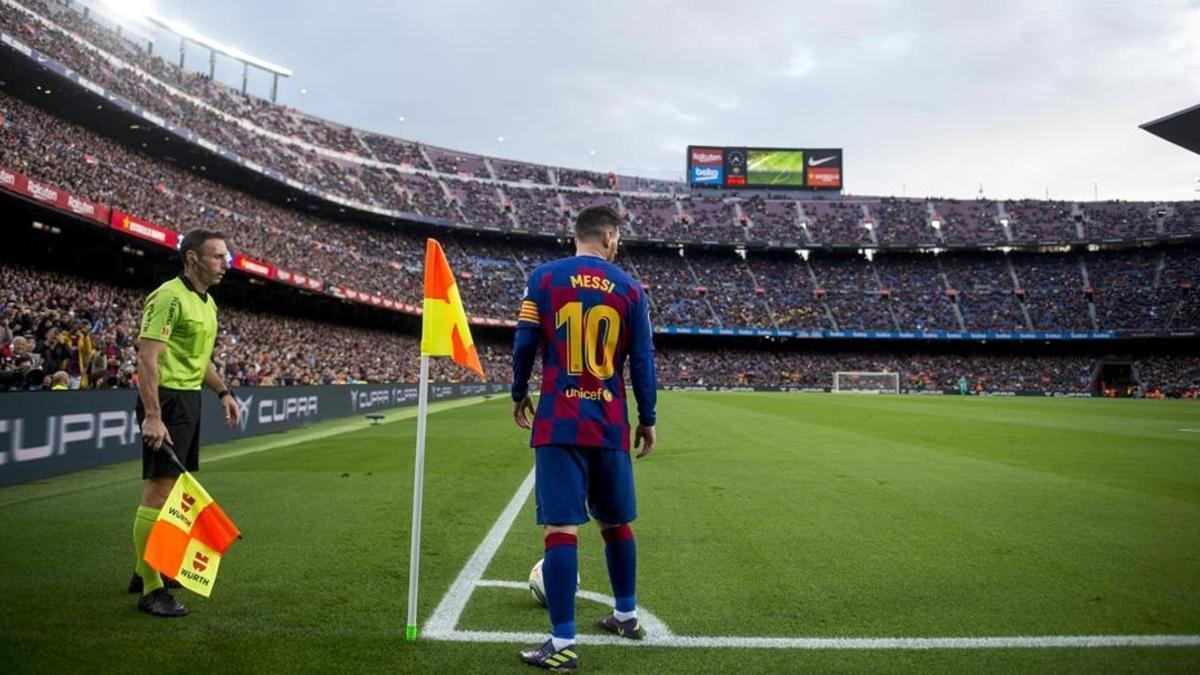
<point>42,192</point>
<point>79,206</point>
<point>7,178</point>
<point>708,157</point>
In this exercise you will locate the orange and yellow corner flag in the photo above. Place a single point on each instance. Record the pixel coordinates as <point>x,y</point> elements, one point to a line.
<point>444,328</point>
<point>190,536</point>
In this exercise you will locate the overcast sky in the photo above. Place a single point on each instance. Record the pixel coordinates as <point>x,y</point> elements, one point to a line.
<point>928,99</point>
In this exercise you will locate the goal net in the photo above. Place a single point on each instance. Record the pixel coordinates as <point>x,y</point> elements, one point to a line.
<point>853,382</point>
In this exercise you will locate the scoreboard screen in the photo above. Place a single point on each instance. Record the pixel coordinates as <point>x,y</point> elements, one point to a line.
<point>764,168</point>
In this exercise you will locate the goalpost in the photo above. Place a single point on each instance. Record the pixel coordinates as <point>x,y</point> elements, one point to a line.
<point>857,382</point>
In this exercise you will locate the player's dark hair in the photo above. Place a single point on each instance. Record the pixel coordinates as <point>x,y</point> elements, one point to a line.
<point>194,239</point>
<point>594,220</point>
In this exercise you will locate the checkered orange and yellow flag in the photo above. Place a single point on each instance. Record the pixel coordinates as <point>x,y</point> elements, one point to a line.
<point>190,536</point>
<point>444,327</point>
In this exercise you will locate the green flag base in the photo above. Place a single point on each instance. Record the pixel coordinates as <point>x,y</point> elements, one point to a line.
<point>411,633</point>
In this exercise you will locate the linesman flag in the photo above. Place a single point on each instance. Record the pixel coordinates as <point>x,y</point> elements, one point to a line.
<point>444,328</point>
<point>190,536</point>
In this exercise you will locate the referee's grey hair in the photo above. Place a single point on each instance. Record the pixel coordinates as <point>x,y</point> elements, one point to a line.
<point>194,239</point>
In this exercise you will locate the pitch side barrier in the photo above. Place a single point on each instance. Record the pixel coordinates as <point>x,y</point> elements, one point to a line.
<point>914,392</point>
<point>48,433</point>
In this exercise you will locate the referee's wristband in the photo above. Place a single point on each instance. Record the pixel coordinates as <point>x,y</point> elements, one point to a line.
<point>223,393</point>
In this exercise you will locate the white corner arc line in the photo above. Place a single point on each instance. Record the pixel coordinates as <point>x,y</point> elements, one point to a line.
<point>441,625</point>
<point>651,623</point>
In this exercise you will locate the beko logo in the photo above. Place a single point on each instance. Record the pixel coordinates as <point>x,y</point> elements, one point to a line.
<point>27,440</point>
<point>706,173</point>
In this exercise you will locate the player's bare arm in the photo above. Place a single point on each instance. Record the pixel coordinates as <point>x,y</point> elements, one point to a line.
<point>154,432</point>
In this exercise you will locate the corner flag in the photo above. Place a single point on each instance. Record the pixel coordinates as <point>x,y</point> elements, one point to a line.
<point>444,332</point>
<point>444,327</point>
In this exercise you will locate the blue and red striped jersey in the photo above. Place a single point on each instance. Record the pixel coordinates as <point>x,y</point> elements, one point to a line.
<point>587,316</point>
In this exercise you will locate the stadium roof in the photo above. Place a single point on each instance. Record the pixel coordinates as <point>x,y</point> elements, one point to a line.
<point>1181,128</point>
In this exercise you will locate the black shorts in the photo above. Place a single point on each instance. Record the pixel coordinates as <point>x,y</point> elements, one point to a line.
<point>181,416</point>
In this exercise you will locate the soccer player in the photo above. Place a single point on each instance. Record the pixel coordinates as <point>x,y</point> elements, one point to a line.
<point>179,329</point>
<point>587,316</point>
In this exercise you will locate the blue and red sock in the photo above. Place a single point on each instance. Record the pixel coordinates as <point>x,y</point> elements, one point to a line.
<point>560,575</point>
<point>620,551</point>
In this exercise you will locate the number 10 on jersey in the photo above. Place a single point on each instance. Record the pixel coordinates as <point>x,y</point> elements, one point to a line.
<point>583,336</point>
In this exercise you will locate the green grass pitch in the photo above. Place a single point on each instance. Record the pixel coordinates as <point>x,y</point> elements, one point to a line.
<point>768,515</point>
<point>775,168</point>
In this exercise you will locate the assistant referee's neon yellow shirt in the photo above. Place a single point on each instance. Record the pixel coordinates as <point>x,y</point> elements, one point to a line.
<point>187,322</point>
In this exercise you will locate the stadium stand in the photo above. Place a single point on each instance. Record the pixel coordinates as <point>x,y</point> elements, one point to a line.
<point>728,261</point>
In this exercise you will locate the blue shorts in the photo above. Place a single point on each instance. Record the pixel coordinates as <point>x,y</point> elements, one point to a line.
<point>573,481</point>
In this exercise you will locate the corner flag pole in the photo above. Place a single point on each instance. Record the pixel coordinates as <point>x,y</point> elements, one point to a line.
<point>414,554</point>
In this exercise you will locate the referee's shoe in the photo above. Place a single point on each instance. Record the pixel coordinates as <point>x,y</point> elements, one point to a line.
<point>159,602</point>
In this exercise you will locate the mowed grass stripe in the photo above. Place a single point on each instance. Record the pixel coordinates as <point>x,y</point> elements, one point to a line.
<point>1159,462</point>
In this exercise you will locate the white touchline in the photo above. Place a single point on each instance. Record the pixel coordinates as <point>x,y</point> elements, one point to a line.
<point>441,625</point>
<point>1192,431</point>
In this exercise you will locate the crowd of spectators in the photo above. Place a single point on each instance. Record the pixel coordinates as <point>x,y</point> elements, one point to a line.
<point>916,372</point>
<point>52,322</point>
<point>898,291</point>
<point>56,327</point>
<point>895,292</point>
<point>343,162</point>
<point>1170,376</point>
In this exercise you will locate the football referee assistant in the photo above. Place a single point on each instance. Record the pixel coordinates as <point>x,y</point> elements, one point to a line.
<point>175,344</point>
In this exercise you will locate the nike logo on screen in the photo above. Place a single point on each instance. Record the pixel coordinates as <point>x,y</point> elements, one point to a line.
<point>819,162</point>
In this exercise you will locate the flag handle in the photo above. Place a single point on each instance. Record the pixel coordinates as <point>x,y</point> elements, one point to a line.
<point>414,554</point>
<point>170,450</point>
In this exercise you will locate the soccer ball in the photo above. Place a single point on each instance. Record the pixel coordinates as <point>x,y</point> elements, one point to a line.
<point>537,587</point>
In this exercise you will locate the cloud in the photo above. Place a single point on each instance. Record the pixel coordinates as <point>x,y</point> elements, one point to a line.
<point>800,65</point>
